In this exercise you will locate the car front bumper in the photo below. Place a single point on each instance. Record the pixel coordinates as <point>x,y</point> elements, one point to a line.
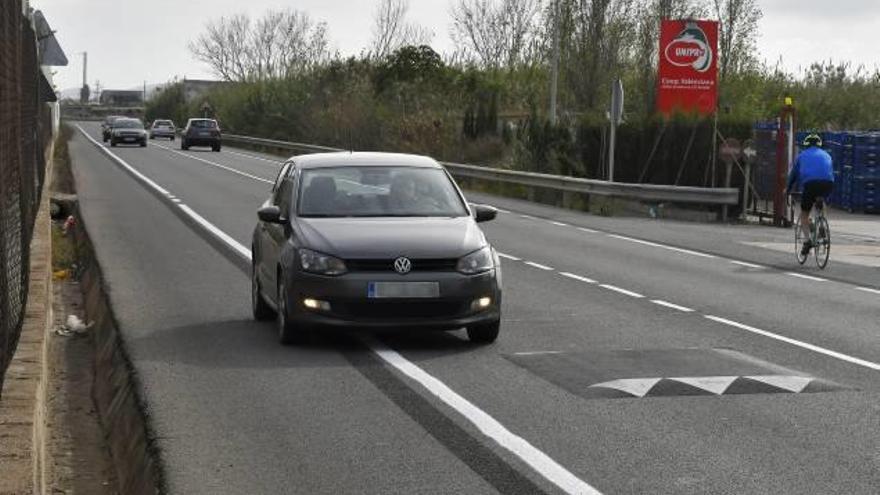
<point>351,308</point>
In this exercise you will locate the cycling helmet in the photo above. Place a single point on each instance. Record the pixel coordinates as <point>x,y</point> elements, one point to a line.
<point>813,139</point>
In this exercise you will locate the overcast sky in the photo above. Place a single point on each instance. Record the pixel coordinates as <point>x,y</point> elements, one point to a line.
<point>131,41</point>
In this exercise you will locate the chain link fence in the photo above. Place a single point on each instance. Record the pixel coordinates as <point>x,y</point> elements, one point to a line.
<point>25,131</point>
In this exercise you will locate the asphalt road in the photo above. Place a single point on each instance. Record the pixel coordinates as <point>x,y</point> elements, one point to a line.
<point>635,356</point>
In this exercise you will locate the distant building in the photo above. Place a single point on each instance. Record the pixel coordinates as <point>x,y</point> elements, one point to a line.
<point>193,89</point>
<point>122,98</point>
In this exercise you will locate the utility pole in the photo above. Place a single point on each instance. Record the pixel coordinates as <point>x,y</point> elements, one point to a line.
<point>84,93</point>
<point>554,72</point>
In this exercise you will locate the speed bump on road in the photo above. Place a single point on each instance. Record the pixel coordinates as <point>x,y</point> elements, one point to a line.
<point>644,373</point>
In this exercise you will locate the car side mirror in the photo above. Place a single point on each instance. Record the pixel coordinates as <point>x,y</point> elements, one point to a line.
<point>270,214</point>
<point>483,213</point>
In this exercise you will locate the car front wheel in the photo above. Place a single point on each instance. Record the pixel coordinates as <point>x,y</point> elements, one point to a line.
<point>288,334</point>
<point>485,333</point>
<point>262,310</point>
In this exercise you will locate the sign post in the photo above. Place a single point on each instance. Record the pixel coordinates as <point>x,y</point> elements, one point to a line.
<point>616,117</point>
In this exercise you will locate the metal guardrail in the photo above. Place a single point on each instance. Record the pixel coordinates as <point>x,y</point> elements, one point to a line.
<point>640,192</point>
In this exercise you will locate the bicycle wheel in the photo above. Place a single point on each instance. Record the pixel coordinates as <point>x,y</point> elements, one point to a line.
<point>823,242</point>
<point>799,240</point>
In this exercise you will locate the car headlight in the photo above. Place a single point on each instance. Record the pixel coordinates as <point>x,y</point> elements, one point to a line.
<point>476,262</point>
<point>321,264</point>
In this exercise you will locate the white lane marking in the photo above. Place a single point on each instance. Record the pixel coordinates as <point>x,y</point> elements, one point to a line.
<point>666,304</point>
<point>509,257</point>
<point>633,386</point>
<point>588,231</point>
<point>499,210</point>
<point>662,246</point>
<point>748,265</point>
<point>559,224</point>
<point>578,278</point>
<point>255,157</point>
<point>213,164</point>
<point>527,217</point>
<point>798,343</point>
<point>806,277</point>
<point>122,163</point>
<point>795,384</point>
<point>536,353</point>
<point>489,426</point>
<point>868,289</point>
<point>622,291</point>
<point>539,266</point>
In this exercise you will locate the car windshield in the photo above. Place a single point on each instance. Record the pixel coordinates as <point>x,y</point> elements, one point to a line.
<point>203,124</point>
<point>378,192</point>
<point>162,123</point>
<point>128,124</point>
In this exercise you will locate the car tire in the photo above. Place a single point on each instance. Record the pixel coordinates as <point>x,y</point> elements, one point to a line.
<point>288,334</point>
<point>144,143</point>
<point>172,139</point>
<point>183,145</point>
<point>216,147</point>
<point>261,309</point>
<point>485,333</point>
<point>152,137</point>
<point>112,143</point>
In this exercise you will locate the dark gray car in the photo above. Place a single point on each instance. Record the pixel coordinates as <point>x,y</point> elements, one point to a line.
<point>373,241</point>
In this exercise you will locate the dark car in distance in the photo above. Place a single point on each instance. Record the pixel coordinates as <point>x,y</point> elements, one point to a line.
<point>162,128</point>
<point>201,132</point>
<point>107,126</point>
<point>128,131</point>
<point>373,241</point>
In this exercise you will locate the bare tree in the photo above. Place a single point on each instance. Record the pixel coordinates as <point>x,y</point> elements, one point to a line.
<point>391,30</point>
<point>280,44</point>
<point>739,32</point>
<point>498,33</point>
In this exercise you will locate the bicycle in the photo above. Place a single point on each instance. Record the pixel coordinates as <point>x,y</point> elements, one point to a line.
<point>819,236</point>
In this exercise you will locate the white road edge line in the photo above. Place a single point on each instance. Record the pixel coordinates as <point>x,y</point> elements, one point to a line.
<point>536,353</point>
<point>578,278</point>
<point>662,246</point>
<point>748,265</point>
<point>798,343</point>
<point>868,289</point>
<point>622,291</point>
<point>224,167</point>
<point>527,217</point>
<point>255,157</point>
<point>538,460</point>
<point>539,266</point>
<point>667,304</point>
<point>508,257</point>
<point>806,277</point>
<point>489,426</point>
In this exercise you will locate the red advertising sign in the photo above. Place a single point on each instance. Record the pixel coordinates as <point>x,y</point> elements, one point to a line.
<point>688,75</point>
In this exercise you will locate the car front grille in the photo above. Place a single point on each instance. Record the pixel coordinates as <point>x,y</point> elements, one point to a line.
<point>398,310</point>
<point>386,265</point>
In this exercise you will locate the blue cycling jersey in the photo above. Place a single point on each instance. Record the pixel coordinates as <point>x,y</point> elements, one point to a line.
<point>812,164</point>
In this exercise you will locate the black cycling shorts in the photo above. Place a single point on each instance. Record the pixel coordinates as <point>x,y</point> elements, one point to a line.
<point>815,189</point>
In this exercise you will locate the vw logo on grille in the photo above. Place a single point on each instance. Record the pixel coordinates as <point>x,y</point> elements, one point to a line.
<point>402,265</point>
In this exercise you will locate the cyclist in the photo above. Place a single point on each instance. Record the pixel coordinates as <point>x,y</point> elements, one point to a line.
<point>813,171</point>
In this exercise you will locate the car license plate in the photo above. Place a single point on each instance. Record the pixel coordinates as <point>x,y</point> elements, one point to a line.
<point>129,139</point>
<point>204,134</point>
<point>403,290</point>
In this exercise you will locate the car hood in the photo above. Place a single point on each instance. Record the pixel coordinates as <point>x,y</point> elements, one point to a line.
<point>386,238</point>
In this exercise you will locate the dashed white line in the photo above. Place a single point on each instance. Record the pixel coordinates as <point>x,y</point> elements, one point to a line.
<point>536,353</point>
<point>559,224</point>
<point>508,257</point>
<point>747,265</point>
<point>798,343</point>
<point>213,164</point>
<point>578,278</point>
<point>539,266</point>
<point>622,291</point>
<point>868,289</point>
<point>670,305</point>
<point>588,231</point>
<point>489,426</point>
<point>806,277</point>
